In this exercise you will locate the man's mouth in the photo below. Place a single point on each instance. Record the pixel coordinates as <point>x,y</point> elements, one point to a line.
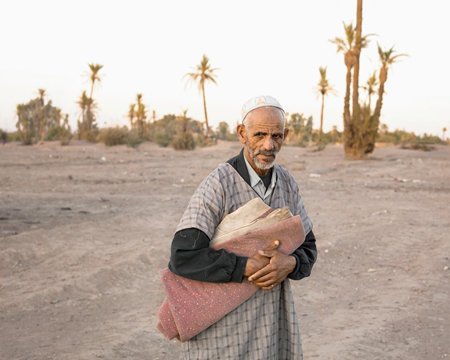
<point>267,157</point>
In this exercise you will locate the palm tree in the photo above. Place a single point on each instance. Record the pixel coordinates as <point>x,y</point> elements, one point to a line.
<point>297,122</point>
<point>23,124</point>
<point>64,131</point>
<point>87,111</point>
<point>370,86</point>
<point>184,140</point>
<point>93,78</point>
<point>202,74</point>
<point>131,115</point>
<point>141,114</point>
<point>184,121</point>
<point>387,59</point>
<point>444,130</point>
<point>323,88</point>
<point>346,46</point>
<point>349,46</point>
<point>40,128</point>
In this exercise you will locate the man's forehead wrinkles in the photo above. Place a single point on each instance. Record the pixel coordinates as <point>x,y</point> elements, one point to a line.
<point>267,129</point>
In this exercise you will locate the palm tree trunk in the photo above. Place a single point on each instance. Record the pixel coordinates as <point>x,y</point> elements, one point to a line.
<point>321,119</point>
<point>204,107</point>
<point>18,126</point>
<point>355,92</point>
<point>88,120</point>
<point>40,119</point>
<point>43,124</point>
<point>379,104</point>
<point>89,114</point>
<point>369,146</point>
<point>92,90</point>
<point>84,127</point>
<point>25,132</point>
<point>348,133</point>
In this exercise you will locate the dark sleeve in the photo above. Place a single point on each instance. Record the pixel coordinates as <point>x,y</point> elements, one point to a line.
<point>306,256</point>
<point>192,258</point>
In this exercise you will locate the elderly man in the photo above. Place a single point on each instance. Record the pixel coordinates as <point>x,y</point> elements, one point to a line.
<point>266,325</point>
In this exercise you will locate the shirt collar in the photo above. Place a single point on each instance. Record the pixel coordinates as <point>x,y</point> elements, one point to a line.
<point>254,177</point>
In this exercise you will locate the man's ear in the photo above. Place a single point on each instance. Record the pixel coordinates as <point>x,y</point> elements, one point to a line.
<point>241,133</point>
<point>286,132</point>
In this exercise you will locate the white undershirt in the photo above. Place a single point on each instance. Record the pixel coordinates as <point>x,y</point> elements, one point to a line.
<point>258,185</point>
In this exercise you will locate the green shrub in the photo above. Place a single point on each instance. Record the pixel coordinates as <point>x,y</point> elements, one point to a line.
<point>3,135</point>
<point>199,140</point>
<point>161,138</point>
<point>430,139</point>
<point>53,133</point>
<point>14,136</point>
<point>133,139</point>
<point>92,136</point>
<point>210,141</point>
<point>184,142</point>
<point>65,136</point>
<point>113,136</point>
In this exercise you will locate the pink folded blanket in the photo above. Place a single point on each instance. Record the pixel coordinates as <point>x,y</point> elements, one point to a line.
<point>192,306</point>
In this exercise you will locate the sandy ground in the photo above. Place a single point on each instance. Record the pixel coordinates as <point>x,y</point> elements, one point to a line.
<point>84,230</point>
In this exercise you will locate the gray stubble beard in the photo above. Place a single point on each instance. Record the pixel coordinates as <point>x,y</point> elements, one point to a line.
<point>258,164</point>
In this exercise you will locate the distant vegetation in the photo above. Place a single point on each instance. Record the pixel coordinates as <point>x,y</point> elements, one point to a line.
<point>407,139</point>
<point>38,120</point>
<point>184,134</point>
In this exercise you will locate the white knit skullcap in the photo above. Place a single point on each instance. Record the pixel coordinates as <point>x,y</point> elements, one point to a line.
<point>257,102</point>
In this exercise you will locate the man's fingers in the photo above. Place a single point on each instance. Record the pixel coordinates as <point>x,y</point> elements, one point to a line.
<point>270,287</point>
<point>264,271</point>
<point>268,253</point>
<point>265,280</point>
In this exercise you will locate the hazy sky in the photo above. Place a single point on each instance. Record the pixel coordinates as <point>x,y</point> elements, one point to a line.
<point>260,47</point>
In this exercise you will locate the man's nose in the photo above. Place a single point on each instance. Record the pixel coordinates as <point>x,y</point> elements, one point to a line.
<point>268,143</point>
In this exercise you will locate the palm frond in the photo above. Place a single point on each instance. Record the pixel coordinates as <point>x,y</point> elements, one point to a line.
<point>386,56</point>
<point>203,74</point>
<point>341,44</point>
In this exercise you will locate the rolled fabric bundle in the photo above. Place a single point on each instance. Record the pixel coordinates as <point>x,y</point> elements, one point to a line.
<point>192,306</point>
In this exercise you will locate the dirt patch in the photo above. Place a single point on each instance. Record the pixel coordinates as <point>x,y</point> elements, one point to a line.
<point>84,230</point>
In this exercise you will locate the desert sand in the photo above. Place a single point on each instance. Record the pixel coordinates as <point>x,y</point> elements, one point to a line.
<point>84,230</point>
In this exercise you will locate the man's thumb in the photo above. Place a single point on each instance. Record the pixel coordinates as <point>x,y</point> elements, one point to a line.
<point>273,245</point>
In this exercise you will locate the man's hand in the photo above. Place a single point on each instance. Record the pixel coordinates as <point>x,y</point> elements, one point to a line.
<point>279,267</point>
<point>258,261</point>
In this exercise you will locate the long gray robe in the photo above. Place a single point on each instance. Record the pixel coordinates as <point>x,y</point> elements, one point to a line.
<point>266,325</point>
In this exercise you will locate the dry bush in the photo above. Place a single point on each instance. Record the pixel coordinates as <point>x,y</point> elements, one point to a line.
<point>65,136</point>
<point>91,135</point>
<point>113,136</point>
<point>161,138</point>
<point>133,139</point>
<point>184,142</point>
<point>209,141</point>
<point>417,146</point>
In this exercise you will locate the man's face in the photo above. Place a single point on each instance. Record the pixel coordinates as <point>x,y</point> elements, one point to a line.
<point>263,136</point>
